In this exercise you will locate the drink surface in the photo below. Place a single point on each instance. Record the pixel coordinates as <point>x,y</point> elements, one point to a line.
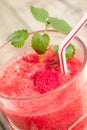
<point>23,75</point>
<point>31,75</point>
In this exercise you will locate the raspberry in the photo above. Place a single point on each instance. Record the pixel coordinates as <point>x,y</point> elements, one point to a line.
<point>45,80</point>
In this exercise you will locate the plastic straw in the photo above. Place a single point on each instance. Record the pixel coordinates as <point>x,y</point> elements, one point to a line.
<point>65,43</point>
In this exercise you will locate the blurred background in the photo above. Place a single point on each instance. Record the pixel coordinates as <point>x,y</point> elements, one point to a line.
<point>15,14</point>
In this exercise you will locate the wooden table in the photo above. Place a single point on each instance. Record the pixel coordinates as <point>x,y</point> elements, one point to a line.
<point>15,14</point>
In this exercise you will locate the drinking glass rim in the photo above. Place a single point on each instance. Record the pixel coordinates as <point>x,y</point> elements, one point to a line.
<point>62,86</point>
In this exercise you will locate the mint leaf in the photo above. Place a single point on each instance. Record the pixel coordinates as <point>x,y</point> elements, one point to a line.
<point>59,25</point>
<point>70,51</point>
<point>18,38</point>
<point>55,48</point>
<point>40,42</point>
<point>39,14</point>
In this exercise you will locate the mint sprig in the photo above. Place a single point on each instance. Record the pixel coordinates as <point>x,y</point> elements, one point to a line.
<point>18,38</point>
<point>40,42</point>
<point>42,15</point>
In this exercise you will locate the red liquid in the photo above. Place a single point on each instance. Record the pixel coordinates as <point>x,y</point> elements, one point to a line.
<point>53,111</point>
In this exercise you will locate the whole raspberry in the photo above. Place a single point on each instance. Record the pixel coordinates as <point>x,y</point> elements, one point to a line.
<point>45,80</point>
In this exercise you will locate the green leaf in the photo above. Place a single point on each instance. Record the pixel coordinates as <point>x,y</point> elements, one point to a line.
<point>55,48</point>
<point>39,14</point>
<point>59,25</point>
<point>70,51</point>
<point>40,42</point>
<point>18,38</point>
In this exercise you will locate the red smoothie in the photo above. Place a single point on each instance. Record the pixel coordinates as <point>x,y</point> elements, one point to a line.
<point>40,99</point>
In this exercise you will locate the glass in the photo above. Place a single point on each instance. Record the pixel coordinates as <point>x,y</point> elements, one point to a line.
<point>54,110</point>
<point>81,124</point>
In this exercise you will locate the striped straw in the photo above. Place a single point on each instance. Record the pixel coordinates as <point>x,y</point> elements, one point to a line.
<point>66,41</point>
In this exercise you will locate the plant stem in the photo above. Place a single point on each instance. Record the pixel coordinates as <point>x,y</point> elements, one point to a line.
<point>47,27</point>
